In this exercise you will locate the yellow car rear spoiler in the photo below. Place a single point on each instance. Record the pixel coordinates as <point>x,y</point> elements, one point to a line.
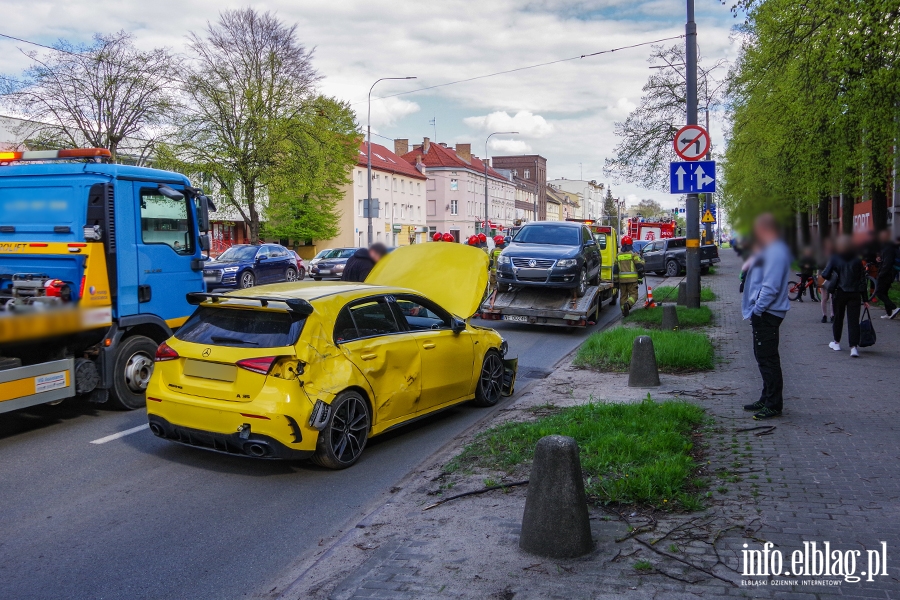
<point>297,306</point>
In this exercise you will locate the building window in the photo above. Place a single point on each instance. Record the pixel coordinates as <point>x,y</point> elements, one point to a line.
<point>419,188</point>
<point>360,178</point>
<point>361,208</point>
<point>527,174</point>
<point>454,185</point>
<point>403,186</point>
<point>454,206</point>
<point>395,184</point>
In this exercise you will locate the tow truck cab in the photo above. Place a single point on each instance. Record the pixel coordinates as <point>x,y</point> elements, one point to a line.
<point>96,261</point>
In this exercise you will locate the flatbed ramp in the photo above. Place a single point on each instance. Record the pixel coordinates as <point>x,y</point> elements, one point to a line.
<point>547,306</point>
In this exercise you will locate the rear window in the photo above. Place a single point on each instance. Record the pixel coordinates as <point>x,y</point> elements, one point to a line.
<point>677,243</point>
<point>241,328</point>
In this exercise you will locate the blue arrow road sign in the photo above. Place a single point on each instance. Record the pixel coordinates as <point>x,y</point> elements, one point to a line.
<point>692,177</point>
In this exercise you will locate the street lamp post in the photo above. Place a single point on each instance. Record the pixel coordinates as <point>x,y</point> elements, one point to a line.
<point>369,155</point>
<point>486,206</point>
<point>692,205</point>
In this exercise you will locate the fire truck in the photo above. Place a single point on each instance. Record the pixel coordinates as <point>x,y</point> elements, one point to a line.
<point>648,230</point>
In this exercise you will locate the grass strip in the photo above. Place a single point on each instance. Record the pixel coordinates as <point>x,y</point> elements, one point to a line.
<point>676,351</point>
<point>687,317</point>
<point>630,453</point>
<point>670,293</point>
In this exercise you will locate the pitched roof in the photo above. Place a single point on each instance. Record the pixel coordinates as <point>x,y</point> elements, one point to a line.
<point>385,160</point>
<point>439,156</point>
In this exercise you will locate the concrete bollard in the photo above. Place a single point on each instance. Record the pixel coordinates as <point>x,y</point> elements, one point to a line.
<point>669,317</point>
<point>682,293</point>
<point>556,522</point>
<point>642,372</point>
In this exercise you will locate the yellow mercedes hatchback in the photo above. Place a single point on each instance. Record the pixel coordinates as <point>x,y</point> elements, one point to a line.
<point>312,370</point>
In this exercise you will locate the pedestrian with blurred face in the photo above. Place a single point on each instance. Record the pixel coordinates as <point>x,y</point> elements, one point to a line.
<point>363,260</point>
<point>847,278</point>
<point>887,257</point>
<point>765,304</point>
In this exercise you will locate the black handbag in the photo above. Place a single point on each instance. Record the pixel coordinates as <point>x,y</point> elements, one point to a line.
<point>866,330</point>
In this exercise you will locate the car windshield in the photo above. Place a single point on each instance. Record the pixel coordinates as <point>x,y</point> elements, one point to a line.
<point>238,254</point>
<point>559,235</point>
<point>241,328</point>
<point>340,253</point>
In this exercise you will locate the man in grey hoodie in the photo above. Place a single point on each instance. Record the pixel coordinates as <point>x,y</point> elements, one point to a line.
<point>765,303</point>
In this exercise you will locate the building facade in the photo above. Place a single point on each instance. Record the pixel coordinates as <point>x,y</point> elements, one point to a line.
<point>591,194</point>
<point>531,168</point>
<point>455,189</point>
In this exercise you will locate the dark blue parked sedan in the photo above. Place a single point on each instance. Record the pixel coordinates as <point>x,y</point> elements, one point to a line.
<point>243,266</point>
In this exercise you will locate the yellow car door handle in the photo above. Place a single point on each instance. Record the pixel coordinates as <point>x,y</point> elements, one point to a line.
<point>428,345</point>
<point>368,356</point>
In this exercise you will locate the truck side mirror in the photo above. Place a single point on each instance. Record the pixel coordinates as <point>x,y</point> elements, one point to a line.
<point>170,193</point>
<point>204,242</point>
<point>203,205</point>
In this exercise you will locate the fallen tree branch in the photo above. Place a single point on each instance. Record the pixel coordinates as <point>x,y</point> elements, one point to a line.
<point>685,562</point>
<point>474,492</point>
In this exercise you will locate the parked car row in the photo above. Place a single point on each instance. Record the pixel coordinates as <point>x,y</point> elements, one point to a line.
<point>243,266</point>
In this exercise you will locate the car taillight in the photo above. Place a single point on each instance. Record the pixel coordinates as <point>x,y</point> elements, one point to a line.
<point>260,365</point>
<point>165,352</point>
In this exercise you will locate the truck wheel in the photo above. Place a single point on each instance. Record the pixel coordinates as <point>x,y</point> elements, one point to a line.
<point>342,441</point>
<point>489,387</point>
<point>672,268</point>
<point>581,290</point>
<point>502,287</point>
<point>247,280</point>
<point>132,368</point>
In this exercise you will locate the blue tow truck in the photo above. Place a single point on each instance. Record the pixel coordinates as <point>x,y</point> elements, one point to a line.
<point>96,260</point>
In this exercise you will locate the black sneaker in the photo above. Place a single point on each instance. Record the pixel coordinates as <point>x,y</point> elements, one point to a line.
<point>824,319</point>
<point>756,406</point>
<point>766,413</point>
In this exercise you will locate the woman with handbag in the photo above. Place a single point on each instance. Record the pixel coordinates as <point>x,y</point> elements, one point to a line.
<point>845,280</point>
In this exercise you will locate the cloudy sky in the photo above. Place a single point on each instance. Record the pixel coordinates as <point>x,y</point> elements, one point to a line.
<point>565,112</point>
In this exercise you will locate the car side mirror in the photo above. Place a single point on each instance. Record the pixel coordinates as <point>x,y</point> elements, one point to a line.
<point>260,258</point>
<point>457,325</point>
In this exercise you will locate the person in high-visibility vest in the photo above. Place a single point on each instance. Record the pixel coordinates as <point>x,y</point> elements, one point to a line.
<point>499,244</point>
<point>630,268</point>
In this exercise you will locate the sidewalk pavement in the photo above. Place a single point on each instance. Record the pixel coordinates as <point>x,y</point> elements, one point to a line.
<point>827,472</point>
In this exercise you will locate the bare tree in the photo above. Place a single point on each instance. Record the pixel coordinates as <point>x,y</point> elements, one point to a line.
<point>248,80</point>
<point>645,147</point>
<point>97,95</point>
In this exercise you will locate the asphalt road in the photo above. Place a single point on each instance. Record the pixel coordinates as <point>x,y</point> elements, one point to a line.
<point>138,517</point>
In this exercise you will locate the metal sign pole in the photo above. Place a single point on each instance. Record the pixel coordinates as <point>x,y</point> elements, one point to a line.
<point>692,214</point>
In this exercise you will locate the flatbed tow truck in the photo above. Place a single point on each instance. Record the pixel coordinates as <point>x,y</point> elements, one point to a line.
<point>560,307</point>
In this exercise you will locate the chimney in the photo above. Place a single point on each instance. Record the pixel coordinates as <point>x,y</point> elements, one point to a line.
<point>426,145</point>
<point>419,164</point>
<point>487,161</point>
<point>417,146</point>
<point>464,151</point>
<point>401,147</point>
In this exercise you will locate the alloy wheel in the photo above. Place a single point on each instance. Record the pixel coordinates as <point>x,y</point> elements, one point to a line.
<point>290,274</point>
<point>349,428</point>
<point>582,283</point>
<point>491,379</point>
<point>247,280</point>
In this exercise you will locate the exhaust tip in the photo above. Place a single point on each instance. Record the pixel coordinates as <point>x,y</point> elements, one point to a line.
<point>157,430</point>
<point>256,449</point>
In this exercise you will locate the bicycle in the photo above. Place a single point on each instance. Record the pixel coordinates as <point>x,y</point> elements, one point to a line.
<point>871,277</point>
<point>795,289</point>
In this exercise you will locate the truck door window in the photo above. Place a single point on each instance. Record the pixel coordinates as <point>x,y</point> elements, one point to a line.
<point>166,221</point>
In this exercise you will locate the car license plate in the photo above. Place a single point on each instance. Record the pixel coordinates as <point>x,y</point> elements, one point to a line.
<point>324,271</point>
<point>210,370</point>
<point>210,278</point>
<point>209,273</point>
<point>517,318</point>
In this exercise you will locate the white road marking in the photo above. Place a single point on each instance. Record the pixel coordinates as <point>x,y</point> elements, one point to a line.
<point>121,434</point>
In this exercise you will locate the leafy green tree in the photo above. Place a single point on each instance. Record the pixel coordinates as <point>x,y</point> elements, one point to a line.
<point>650,209</point>
<point>318,151</point>
<point>249,87</point>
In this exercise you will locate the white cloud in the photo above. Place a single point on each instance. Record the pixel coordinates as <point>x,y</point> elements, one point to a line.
<point>386,112</point>
<point>525,122</point>
<point>565,111</point>
<point>509,146</point>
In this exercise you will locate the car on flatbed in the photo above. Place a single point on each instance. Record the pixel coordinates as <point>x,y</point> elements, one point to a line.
<point>550,254</point>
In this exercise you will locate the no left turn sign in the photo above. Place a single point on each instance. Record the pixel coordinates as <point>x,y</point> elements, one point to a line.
<point>691,142</point>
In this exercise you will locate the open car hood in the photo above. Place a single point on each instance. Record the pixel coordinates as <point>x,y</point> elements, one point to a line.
<point>453,275</point>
